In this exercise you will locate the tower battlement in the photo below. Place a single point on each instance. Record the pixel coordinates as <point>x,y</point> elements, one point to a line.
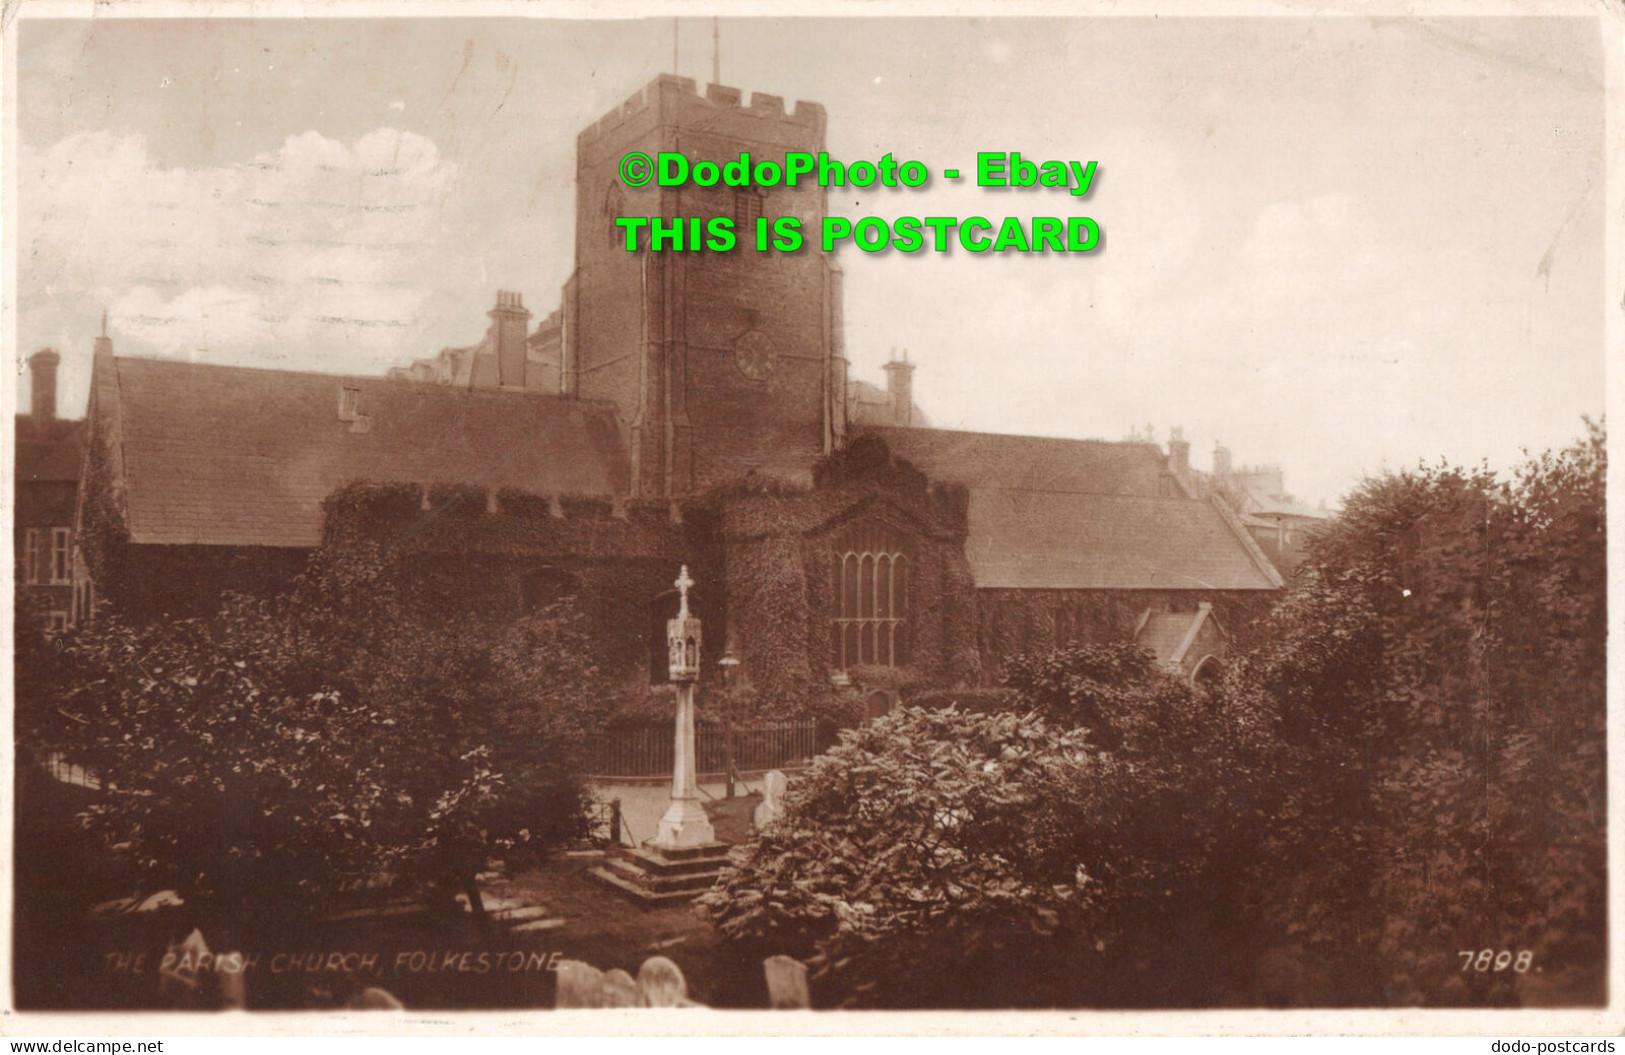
<point>685,92</point>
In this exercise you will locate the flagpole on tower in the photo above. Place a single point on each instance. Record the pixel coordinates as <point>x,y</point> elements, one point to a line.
<point>716,50</point>
<point>674,67</point>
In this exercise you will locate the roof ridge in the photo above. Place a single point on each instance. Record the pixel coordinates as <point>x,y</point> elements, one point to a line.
<point>382,379</point>
<point>1010,435</point>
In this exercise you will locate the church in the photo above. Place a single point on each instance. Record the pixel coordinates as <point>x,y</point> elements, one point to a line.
<point>676,408</point>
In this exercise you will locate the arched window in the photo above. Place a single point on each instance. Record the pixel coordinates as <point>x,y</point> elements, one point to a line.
<point>871,610</point>
<point>1206,674</point>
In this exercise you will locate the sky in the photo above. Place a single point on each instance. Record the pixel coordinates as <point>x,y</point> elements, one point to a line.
<point>1336,244</point>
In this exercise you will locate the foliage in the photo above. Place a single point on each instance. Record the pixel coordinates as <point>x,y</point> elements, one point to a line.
<point>965,697</point>
<point>1440,665</point>
<point>941,858</point>
<point>344,729</point>
<point>919,841</point>
<point>1102,687</point>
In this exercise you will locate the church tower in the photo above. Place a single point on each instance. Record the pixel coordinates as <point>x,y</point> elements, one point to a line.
<point>721,362</point>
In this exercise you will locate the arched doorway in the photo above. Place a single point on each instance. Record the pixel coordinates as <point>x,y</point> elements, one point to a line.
<point>1206,674</point>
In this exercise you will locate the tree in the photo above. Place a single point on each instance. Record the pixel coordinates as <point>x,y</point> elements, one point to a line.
<point>350,727</point>
<point>1440,665</point>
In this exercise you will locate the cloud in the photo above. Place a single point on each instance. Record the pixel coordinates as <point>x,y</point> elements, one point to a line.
<point>319,255</point>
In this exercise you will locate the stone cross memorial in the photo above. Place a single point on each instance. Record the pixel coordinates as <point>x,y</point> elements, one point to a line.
<point>685,823</point>
<point>684,857</point>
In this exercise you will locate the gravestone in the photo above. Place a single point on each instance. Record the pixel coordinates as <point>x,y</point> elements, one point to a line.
<point>579,985</point>
<point>771,808</point>
<point>661,983</point>
<point>786,984</point>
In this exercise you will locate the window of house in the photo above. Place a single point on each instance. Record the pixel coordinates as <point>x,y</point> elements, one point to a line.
<point>31,555</point>
<point>349,403</point>
<point>871,613</point>
<point>57,623</point>
<point>747,210</point>
<point>60,567</point>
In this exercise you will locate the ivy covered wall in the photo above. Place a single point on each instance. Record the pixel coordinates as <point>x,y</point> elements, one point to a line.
<point>763,552</point>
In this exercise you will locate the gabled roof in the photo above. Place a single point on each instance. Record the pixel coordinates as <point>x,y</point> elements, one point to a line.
<point>232,456</point>
<point>1083,514</point>
<point>1170,635</point>
<point>1034,540</point>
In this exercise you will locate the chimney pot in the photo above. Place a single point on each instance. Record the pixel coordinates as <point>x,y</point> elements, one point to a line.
<point>42,372</point>
<point>511,325</point>
<point>900,390</point>
<point>1179,451</point>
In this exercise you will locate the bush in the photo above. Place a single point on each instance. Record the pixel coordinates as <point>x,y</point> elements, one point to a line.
<point>937,858</point>
<point>919,862</point>
<point>260,762</point>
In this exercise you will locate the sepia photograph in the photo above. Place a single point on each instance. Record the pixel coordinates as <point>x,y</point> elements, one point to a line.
<point>890,510</point>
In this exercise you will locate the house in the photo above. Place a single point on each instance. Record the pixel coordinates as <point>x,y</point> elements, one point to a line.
<point>49,452</point>
<point>678,408</point>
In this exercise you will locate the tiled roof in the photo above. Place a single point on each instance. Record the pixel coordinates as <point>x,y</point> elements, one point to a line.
<point>1033,463</point>
<point>1049,540</point>
<point>1164,632</point>
<point>1082,514</point>
<point>218,455</point>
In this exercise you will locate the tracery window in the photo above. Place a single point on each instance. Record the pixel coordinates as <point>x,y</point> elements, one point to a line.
<point>871,613</point>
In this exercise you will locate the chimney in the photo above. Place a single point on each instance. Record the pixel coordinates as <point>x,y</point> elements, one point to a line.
<point>42,369</point>
<point>1221,461</point>
<point>900,390</point>
<point>510,322</point>
<point>1179,452</point>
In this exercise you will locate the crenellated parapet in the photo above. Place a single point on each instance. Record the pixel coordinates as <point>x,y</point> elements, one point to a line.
<point>684,92</point>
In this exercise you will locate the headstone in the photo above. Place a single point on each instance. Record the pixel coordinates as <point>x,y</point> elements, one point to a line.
<point>661,983</point>
<point>234,989</point>
<point>178,971</point>
<point>620,990</point>
<point>579,985</point>
<point>771,808</point>
<point>373,998</point>
<point>786,984</point>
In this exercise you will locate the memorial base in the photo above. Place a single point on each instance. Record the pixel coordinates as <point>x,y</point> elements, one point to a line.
<point>656,875</point>
<point>683,825</point>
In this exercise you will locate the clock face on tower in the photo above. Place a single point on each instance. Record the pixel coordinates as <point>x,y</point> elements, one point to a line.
<point>755,355</point>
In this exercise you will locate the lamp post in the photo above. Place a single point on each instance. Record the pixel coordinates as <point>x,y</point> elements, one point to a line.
<point>729,663</point>
<point>684,823</point>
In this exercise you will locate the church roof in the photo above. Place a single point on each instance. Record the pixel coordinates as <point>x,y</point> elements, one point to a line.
<point>1036,540</point>
<point>1083,514</point>
<point>1031,463</point>
<point>221,455</point>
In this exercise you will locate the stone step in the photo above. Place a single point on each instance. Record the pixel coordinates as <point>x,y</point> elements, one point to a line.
<point>660,863</point>
<point>634,873</point>
<point>711,849</point>
<point>645,897</point>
